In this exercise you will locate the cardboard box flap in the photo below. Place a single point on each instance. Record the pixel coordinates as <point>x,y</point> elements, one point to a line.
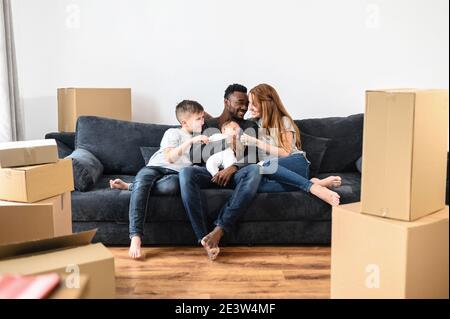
<point>93,88</point>
<point>27,144</point>
<point>30,167</point>
<point>406,90</point>
<point>34,167</point>
<point>30,247</point>
<point>437,217</point>
<point>23,153</point>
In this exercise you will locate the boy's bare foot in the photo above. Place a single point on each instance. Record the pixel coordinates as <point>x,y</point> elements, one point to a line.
<point>118,184</point>
<point>330,181</point>
<point>211,242</point>
<point>325,194</point>
<point>135,248</point>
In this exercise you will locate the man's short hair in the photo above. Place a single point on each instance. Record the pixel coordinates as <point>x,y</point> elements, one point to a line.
<point>234,88</point>
<point>186,108</point>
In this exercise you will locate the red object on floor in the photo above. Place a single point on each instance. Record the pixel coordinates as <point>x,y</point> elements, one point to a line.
<point>28,287</point>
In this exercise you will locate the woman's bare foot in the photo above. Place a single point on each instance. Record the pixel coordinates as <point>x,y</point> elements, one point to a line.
<point>135,248</point>
<point>325,194</point>
<point>211,242</point>
<point>330,181</point>
<point>118,184</point>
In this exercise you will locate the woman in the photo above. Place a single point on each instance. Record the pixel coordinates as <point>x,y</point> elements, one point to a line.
<point>280,149</point>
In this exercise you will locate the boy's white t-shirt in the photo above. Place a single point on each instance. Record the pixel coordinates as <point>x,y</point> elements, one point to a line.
<point>172,138</point>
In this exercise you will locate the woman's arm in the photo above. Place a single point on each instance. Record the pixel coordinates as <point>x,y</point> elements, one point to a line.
<point>286,136</point>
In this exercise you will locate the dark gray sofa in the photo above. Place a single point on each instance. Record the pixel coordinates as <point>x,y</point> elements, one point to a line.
<point>291,217</point>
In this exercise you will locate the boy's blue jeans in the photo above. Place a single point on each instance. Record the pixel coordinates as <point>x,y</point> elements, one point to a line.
<point>291,174</point>
<point>140,195</point>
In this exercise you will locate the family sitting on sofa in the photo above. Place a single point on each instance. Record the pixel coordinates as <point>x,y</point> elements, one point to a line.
<point>263,154</point>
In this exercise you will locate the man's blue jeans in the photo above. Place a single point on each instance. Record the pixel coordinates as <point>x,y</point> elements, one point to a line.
<point>291,174</point>
<point>140,195</point>
<point>195,178</point>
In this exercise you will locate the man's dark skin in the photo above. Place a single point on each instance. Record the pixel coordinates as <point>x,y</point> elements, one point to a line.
<point>235,107</point>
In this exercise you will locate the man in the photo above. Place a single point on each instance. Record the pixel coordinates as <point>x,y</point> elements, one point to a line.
<point>244,176</point>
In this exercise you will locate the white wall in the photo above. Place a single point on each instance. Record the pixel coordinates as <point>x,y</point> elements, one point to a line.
<point>321,55</point>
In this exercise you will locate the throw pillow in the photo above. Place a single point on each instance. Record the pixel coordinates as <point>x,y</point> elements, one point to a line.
<point>315,148</point>
<point>87,169</point>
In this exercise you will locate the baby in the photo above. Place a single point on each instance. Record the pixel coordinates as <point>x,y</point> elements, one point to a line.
<point>227,157</point>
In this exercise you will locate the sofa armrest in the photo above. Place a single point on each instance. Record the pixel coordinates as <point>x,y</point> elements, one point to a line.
<point>87,169</point>
<point>64,141</point>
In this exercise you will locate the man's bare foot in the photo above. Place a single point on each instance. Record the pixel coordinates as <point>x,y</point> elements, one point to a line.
<point>330,181</point>
<point>135,248</point>
<point>212,252</point>
<point>211,242</point>
<point>118,184</point>
<point>325,194</point>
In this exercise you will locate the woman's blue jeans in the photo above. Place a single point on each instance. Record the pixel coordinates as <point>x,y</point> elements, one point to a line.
<point>291,174</point>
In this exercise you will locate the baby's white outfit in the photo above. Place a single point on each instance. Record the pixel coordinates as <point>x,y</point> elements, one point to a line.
<point>223,159</point>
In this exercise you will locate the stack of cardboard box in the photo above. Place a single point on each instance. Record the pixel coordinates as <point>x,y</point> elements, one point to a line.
<point>36,221</point>
<point>75,102</point>
<point>394,243</point>
<point>35,191</point>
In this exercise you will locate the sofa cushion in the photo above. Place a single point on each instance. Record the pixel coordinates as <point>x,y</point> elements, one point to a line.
<point>245,233</point>
<point>117,144</point>
<point>104,204</point>
<point>315,148</point>
<point>346,140</point>
<point>87,169</point>
<point>148,151</point>
<point>350,189</point>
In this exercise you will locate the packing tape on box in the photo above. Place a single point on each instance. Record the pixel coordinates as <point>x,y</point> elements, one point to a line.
<point>63,196</point>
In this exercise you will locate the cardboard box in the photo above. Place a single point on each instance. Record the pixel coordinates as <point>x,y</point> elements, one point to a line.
<point>67,292</point>
<point>404,153</point>
<point>34,183</point>
<point>45,219</point>
<point>71,255</point>
<point>373,257</point>
<point>75,102</point>
<point>13,154</point>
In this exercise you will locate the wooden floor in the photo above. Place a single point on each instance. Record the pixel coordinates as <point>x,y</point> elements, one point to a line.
<point>239,272</point>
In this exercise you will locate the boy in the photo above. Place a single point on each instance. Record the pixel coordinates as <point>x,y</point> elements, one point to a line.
<point>172,156</point>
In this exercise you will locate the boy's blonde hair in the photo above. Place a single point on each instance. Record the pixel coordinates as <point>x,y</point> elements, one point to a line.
<point>186,108</point>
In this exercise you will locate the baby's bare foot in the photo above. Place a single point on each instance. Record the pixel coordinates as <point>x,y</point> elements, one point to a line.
<point>118,184</point>
<point>135,248</point>
<point>325,194</point>
<point>330,181</point>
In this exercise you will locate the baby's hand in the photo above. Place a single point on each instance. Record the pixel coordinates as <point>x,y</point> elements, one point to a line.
<point>200,138</point>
